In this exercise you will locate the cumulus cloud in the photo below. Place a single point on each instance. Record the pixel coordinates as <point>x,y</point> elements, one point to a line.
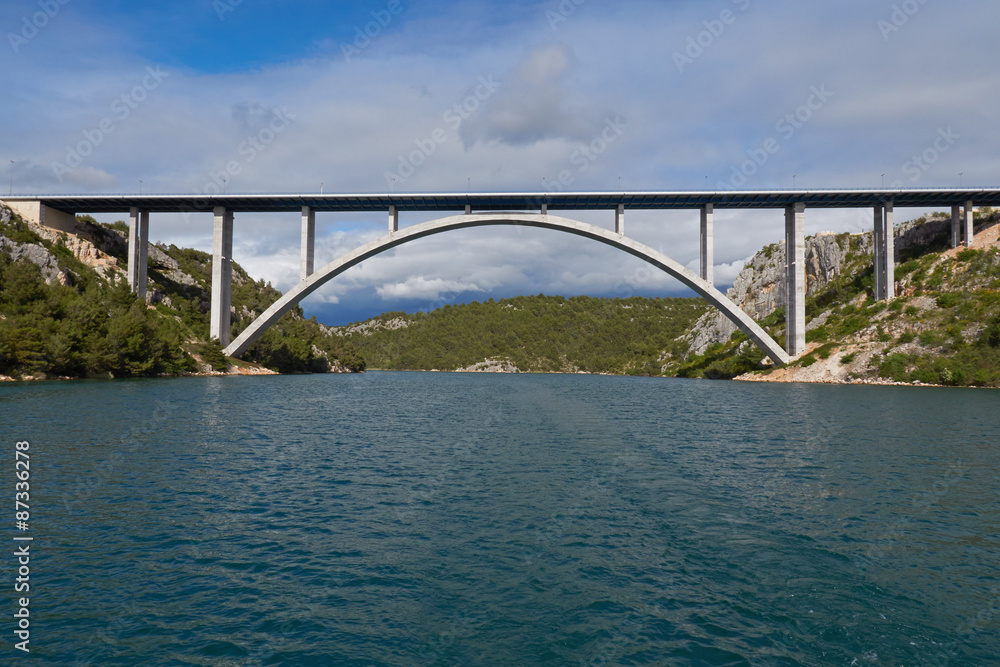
<point>419,287</point>
<point>533,103</point>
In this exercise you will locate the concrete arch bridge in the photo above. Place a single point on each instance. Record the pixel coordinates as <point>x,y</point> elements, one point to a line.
<point>521,209</point>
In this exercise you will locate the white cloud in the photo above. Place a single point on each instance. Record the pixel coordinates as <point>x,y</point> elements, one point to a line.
<point>356,120</point>
<point>421,288</point>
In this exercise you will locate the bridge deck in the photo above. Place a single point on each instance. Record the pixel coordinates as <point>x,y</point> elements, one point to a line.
<point>262,203</point>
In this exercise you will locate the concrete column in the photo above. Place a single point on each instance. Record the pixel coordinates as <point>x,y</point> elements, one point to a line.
<point>138,251</point>
<point>393,220</point>
<point>795,287</point>
<point>308,242</point>
<point>968,225</point>
<point>620,219</point>
<point>468,209</point>
<point>222,274</point>
<point>889,253</point>
<point>879,267</point>
<point>956,226</point>
<point>707,243</point>
<point>545,209</point>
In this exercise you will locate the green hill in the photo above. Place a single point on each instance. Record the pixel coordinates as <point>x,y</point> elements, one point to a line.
<point>532,334</point>
<point>66,310</point>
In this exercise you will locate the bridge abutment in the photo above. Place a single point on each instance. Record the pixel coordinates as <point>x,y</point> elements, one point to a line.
<point>222,275</point>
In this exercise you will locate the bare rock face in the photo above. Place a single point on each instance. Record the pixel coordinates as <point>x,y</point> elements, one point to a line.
<point>38,256</point>
<point>490,366</point>
<point>759,289</point>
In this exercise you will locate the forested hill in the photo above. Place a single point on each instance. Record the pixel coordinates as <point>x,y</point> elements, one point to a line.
<point>66,311</point>
<point>533,334</point>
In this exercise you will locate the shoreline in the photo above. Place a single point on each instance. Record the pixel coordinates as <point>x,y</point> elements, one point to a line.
<point>746,377</point>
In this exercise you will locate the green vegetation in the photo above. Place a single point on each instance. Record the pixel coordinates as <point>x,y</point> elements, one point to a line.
<point>93,326</point>
<point>85,329</point>
<point>538,334</point>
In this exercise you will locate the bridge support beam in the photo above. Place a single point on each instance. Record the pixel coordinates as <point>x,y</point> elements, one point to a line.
<point>308,242</point>
<point>393,219</point>
<point>707,243</point>
<point>222,274</point>
<point>138,251</point>
<point>620,219</point>
<point>795,280</point>
<point>968,225</point>
<point>956,226</point>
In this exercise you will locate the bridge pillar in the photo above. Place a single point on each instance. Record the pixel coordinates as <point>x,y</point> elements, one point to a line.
<point>888,253</point>
<point>969,232</point>
<point>877,252</point>
<point>795,280</point>
<point>468,209</point>
<point>956,226</point>
<point>308,242</point>
<point>620,219</point>
<point>393,219</point>
<point>545,209</point>
<point>222,274</point>
<point>885,253</point>
<point>138,250</point>
<point>707,243</point>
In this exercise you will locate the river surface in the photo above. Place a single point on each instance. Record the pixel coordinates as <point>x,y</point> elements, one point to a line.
<point>452,519</point>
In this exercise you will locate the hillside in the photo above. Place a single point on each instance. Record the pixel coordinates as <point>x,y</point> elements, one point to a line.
<point>66,311</point>
<point>943,328</point>
<point>532,334</point>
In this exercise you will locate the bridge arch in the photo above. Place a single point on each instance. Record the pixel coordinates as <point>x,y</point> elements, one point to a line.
<point>744,322</point>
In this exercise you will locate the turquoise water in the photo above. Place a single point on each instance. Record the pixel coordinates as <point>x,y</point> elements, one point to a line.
<point>442,519</point>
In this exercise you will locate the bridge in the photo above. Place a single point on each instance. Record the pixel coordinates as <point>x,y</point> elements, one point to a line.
<point>522,209</point>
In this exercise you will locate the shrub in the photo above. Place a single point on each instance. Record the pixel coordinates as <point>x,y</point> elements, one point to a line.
<point>929,338</point>
<point>968,255</point>
<point>991,334</point>
<point>948,300</point>
<point>912,311</point>
<point>906,268</point>
<point>847,358</point>
<point>906,337</point>
<point>211,354</point>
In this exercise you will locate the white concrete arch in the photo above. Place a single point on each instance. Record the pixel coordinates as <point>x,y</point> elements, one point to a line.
<point>393,239</point>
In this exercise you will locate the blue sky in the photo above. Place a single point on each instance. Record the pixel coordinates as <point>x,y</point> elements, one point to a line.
<point>718,94</point>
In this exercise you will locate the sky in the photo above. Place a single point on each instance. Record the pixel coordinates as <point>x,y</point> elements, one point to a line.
<point>442,96</point>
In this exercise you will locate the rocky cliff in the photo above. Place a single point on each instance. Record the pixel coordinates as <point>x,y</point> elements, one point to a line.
<point>759,289</point>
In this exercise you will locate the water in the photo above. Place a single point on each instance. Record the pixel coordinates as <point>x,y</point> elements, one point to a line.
<point>441,519</point>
